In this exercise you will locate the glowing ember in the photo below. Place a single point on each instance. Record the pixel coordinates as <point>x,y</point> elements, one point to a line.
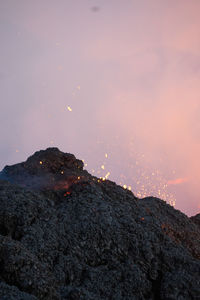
<point>67,194</point>
<point>142,179</point>
<point>172,203</point>
<point>69,108</point>
<point>108,174</point>
<point>102,178</point>
<point>41,162</point>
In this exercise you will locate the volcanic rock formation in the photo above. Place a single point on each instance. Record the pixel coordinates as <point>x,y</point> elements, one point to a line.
<point>65,234</point>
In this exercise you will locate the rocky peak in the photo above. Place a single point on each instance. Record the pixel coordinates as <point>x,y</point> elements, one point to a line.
<point>65,234</point>
<point>45,169</point>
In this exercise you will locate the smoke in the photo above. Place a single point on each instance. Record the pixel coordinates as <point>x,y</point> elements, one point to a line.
<point>129,72</point>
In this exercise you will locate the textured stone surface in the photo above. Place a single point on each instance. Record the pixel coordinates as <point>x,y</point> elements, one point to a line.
<point>67,235</point>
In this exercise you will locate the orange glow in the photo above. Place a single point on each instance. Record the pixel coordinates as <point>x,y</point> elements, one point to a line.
<point>66,194</point>
<point>177,181</point>
<point>140,114</point>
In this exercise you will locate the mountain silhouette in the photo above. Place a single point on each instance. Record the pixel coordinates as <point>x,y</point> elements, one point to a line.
<point>65,234</point>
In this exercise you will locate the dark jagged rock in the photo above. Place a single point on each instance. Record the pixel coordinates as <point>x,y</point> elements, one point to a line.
<point>42,170</point>
<point>196,220</point>
<point>65,234</point>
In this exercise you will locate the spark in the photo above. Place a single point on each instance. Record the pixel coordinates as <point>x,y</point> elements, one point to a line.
<point>125,186</point>
<point>106,155</point>
<point>62,172</point>
<point>108,174</point>
<point>41,162</point>
<point>103,167</point>
<point>69,108</point>
<point>102,178</point>
<point>172,203</point>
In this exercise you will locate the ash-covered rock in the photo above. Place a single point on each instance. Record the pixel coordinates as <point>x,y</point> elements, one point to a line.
<point>65,234</point>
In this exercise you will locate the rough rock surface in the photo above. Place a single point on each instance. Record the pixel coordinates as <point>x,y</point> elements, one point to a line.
<point>65,234</point>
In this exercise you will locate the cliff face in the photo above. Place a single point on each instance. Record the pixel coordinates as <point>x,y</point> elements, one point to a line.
<point>65,234</point>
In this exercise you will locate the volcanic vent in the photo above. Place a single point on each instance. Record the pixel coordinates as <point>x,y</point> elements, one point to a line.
<point>65,234</point>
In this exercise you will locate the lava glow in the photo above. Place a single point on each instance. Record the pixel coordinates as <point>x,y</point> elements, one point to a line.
<point>144,182</point>
<point>67,194</point>
<point>177,181</point>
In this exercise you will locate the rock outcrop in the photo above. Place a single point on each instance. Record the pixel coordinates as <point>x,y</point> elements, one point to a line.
<point>65,234</point>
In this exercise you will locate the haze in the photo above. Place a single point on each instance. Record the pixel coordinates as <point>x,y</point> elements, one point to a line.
<point>115,82</point>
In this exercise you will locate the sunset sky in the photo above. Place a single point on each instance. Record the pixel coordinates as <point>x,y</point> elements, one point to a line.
<point>115,82</point>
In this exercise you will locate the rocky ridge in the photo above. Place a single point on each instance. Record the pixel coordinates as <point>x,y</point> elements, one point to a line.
<point>65,234</point>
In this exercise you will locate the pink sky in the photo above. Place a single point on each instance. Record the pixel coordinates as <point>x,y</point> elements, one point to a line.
<point>130,71</point>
